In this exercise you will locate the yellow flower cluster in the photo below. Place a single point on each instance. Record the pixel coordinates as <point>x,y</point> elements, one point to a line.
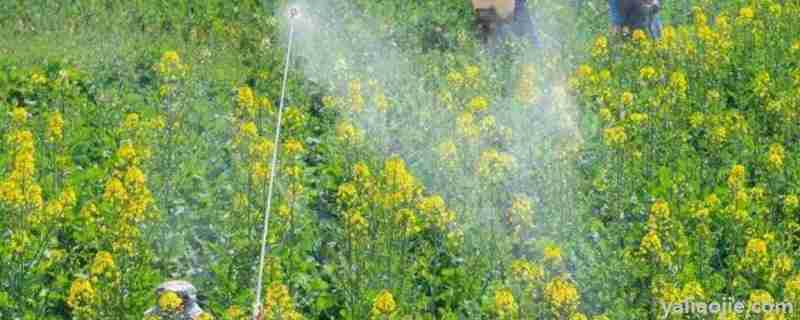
<point>55,127</point>
<point>526,271</point>
<point>736,177</point>
<point>504,305</point>
<point>402,186</point>
<point>293,147</point>
<point>561,294</point>
<point>279,304</point>
<point>520,214</point>
<point>651,242</point>
<point>357,224</point>
<point>455,79</point>
<point>103,265</point>
<point>384,303</point>
<point>19,116</point>
<point>660,209</point>
<point>477,104</point>
<point>170,65</point>
<point>614,136</point>
<point>600,47</point>
<point>792,289</point>
<point>348,134</point>
<point>552,254</point>
<point>82,297</point>
<point>775,157</point>
<point>756,249</point>
<point>648,73</point>
<point>466,128</point>
<point>20,189</point>
<point>526,94</point>
<point>791,202</point>
<point>494,164</point>
<point>435,209</point>
<point>170,302</point>
<point>356,99</point>
<point>448,152</point>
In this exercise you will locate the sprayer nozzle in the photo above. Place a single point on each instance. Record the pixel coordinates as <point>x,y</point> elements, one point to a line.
<point>294,12</point>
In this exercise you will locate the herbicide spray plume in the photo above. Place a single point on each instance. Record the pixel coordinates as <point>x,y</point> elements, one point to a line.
<point>294,13</point>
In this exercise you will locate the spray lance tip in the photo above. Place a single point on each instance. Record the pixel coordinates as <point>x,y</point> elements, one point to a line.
<point>294,12</point>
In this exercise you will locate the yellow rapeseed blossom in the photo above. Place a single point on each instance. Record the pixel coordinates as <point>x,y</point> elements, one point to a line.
<point>234,313</point>
<point>792,289</point>
<point>347,133</point>
<point>472,73</point>
<point>561,293</point>
<point>465,125</point>
<point>526,271</point>
<point>455,79</point>
<point>477,104</point>
<point>600,47</point>
<point>19,115</point>
<point>775,157</point>
<point>38,78</point>
<point>384,303</point>
<point>638,35</point>
<point>246,99</point>
<point>82,296</point>
<point>356,99</point>
<point>249,129</point>
<point>357,223</point>
<point>584,71</point>
<point>170,64</point>
<point>678,82</point>
<point>447,151</point>
<point>381,102</point>
<point>791,202</point>
<point>103,264</point>
<point>660,209</point>
<point>504,304</point>
<point>262,148</point>
<point>756,248</point>
<point>494,164</point>
<point>719,134</point>
<point>651,242</point>
<point>627,98</point>
<point>408,220</point>
<point>696,120</point>
<point>204,316</point>
<point>552,254</point>
<point>638,117</point>
<point>648,73</point>
<point>55,127</point>
<point>760,297</point>
<point>784,264</point>
<point>115,190</point>
<point>614,136</point>
<point>761,84</point>
<point>521,211</point>
<point>736,176</point>
<point>293,147</point>
<point>525,87</point>
<point>746,14</point>
<point>170,302</point>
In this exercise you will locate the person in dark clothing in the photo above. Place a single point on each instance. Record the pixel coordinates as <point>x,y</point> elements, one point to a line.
<point>495,19</point>
<point>635,14</point>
